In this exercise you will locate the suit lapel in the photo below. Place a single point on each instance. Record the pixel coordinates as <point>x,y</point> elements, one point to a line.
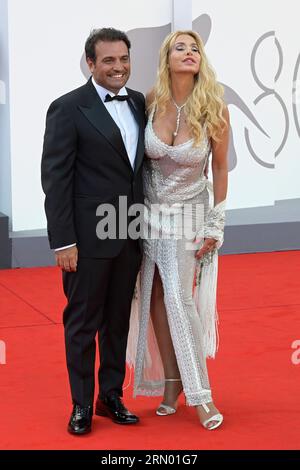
<point>100,118</point>
<point>97,114</point>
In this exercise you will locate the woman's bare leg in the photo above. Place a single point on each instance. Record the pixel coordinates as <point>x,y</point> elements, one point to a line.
<point>164,341</point>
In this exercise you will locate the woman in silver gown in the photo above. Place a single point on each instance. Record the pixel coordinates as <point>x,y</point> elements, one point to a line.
<point>176,305</point>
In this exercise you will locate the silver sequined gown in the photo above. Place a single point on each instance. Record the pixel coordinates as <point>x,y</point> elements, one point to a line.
<point>173,175</point>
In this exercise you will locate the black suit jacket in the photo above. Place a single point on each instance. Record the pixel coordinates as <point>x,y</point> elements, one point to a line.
<point>85,164</point>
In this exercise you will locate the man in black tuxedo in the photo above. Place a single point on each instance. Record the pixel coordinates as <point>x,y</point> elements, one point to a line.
<point>93,154</point>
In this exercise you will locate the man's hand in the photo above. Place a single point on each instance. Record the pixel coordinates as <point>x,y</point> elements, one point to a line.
<point>208,245</point>
<point>67,259</point>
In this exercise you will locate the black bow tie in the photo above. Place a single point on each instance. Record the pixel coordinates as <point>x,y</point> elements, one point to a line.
<point>116,97</point>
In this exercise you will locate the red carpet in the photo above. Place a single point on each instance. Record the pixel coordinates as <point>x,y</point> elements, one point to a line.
<point>255,384</point>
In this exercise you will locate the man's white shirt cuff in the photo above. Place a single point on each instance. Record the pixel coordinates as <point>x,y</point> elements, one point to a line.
<point>65,247</point>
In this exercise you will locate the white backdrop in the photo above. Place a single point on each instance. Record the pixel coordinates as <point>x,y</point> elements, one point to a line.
<point>46,40</point>
<point>46,44</point>
<point>236,27</point>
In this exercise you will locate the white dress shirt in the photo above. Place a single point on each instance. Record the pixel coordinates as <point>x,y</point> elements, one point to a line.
<point>124,119</point>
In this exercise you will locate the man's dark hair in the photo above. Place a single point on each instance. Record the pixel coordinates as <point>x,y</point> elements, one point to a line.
<point>106,35</point>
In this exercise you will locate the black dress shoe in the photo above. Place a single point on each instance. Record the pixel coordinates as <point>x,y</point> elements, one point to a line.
<point>81,420</point>
<point>113,407</point>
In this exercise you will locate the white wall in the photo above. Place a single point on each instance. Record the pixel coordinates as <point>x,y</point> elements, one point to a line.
<point>5,169</point>
<point>236,28</point>
<point>288,161</point>
<point>46,40</point>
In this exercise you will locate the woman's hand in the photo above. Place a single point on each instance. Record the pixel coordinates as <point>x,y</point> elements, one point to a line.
<point>208,246</point>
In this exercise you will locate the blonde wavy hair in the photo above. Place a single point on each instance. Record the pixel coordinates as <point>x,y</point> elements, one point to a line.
<point>205,105</point>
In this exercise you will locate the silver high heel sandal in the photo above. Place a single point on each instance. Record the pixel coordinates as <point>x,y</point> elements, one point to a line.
<point>165,410</point>
<point>218,418</point>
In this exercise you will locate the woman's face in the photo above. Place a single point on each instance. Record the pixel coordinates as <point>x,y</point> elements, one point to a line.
<point>184,55</point>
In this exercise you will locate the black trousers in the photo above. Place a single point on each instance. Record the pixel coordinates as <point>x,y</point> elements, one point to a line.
<point>99,298</point>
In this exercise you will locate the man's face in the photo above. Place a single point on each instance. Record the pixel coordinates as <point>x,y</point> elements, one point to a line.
<point>112,66</point>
